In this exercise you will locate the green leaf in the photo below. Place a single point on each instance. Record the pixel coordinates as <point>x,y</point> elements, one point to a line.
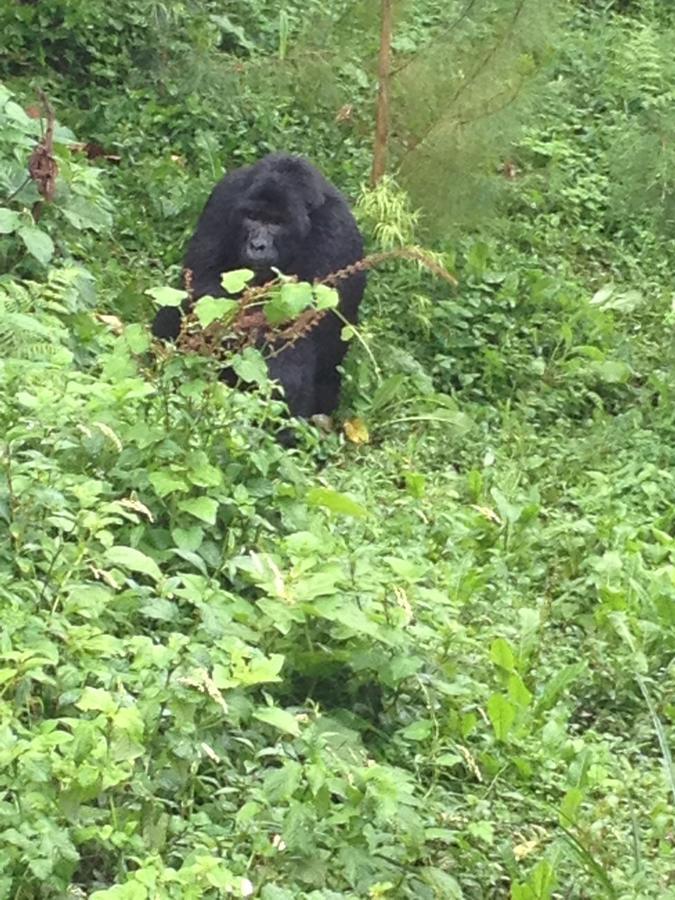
<point>166,296</point>
<point>130,890</point>
<point>38,243</point>
<point>288,302</point>
<point>157,608</point>
<point>97,700</point>
<point>204,508</point>
<point>126,737</point>
<point>518,692</point>
<point>261,670</point>
<point>326,297</point>
<point>539,885</point>
<point>613,371</point>
<point>202,473</point>
<point>279,719</point>
<point>165,483</point>
<point>556,685</point>
<point>501,654</point>
<point>448,759</point>
<point>442,883</point>
<point>209,309</point>
<point>9,220</point>
<point>137,338</point>
<point>418,731</point>
<point>234,282</point>
<point>83,214</point>
<point>226,25</point>
<point>250,366</point>
<point>569,808</point>
<point>335,502</point>
<point>134,560</point>
<point>387,391</point>
<point>189,539</point>
<point>502,715</point>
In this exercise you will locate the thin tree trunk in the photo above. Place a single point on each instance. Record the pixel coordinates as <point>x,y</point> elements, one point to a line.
<point>383,75</point>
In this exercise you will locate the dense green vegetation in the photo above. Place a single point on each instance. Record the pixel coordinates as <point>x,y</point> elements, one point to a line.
<point>435,664</point>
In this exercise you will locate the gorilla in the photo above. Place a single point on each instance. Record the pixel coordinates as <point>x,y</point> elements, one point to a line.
<point>281,212</point>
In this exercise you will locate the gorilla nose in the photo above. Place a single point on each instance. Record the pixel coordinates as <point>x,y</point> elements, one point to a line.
<point>259,251</point>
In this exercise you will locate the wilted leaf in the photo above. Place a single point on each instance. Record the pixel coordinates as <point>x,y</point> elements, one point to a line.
<point>356,431</point>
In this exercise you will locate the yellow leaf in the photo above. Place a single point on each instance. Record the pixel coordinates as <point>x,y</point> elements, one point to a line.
<point>356,431</point>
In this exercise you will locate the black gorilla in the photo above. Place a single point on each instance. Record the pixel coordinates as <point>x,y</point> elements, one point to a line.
<point>281,212</point>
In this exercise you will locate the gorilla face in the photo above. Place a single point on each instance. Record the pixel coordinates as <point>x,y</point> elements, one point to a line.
<point>272,226</point>
<point>261,237</point>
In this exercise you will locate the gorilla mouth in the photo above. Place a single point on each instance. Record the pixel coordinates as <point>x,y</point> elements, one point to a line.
<point>262,275</point>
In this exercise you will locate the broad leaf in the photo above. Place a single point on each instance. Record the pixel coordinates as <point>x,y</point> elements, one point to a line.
<point>210,309</point>
<point>335,502</point>
<point>134,560</point>
<point>234,282</point>
<point>38,243</point>
<point>250,366</point>
<point>279,719</point>
<point>167,296</point>
<point>204,508</point>
<point>288,302</point>
<point>502,715</point>
<point>9,221</point>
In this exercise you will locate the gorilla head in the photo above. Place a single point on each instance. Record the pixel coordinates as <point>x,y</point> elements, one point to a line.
<point>270,230</point>
<point>272,218</point>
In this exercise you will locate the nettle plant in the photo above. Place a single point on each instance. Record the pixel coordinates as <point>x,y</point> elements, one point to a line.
<point>44,213</point>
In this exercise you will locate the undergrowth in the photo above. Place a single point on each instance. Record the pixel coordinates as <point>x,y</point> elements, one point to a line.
<point>434,660</point>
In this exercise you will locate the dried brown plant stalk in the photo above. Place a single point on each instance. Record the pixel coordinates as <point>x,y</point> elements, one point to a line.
<point>249,327</point>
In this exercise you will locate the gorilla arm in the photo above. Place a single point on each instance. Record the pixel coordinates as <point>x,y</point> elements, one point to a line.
<point>211,251</point>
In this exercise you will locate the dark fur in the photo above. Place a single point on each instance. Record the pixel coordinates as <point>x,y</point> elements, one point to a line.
<point>281,212</point>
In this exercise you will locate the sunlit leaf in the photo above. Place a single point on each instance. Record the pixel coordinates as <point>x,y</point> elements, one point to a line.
<point>210,309</point>
<point>235,281</point>
<point>166,296</point>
